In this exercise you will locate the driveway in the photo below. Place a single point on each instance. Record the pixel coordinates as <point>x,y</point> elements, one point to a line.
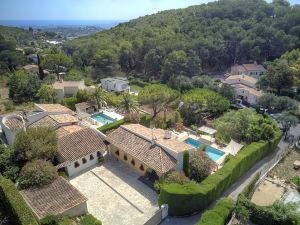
<point>115,195</point>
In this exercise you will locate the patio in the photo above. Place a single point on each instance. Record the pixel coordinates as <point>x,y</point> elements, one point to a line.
<point>115,195</point>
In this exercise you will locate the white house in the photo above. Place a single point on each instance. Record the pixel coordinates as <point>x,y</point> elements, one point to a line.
<point>254,69</point>
<point>245,87</point>
<point>11,125</point>
<point>117,84</point>
<point>80,150</point>
<point>67,88</point>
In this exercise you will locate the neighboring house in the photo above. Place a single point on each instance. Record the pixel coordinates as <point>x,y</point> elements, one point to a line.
<point>85,107</point>
<point>67,88</point>
<point>52,108</point>
<point>11,125</point>
<point>145,149</point>
<point>254,69</point>
<point>115,84</point>
<point>245,87</point>
<point>80,150</point>
<point>56,198</point>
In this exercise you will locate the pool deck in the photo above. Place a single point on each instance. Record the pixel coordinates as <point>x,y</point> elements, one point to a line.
<point>96,124</point>
<point>207,139</point>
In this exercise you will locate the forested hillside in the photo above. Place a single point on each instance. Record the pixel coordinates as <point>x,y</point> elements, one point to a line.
<point>208,37</point>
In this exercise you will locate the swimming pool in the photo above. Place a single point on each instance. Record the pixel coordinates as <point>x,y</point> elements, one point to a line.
<point>102,118</point>
<point>212,152</point>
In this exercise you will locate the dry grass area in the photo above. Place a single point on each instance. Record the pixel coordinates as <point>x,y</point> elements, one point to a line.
<point>267,193</point>
<point>284,169</point>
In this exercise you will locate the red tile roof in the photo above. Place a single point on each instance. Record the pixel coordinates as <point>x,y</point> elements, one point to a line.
<point>80,143</point>
<point>153,156</point>
<point>54,198</point>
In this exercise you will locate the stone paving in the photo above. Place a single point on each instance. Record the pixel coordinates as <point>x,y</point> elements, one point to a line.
<point>115,195</point>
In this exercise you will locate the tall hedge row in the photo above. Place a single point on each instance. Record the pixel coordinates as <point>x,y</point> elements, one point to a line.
<point>190,198</point>
<point>110,126</point>
<point>20,213</point>
<point>219,214</point>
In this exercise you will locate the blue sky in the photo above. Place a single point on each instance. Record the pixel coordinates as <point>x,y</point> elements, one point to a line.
<point>88,9</point>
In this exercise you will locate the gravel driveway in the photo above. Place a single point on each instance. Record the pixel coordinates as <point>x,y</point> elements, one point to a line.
<point>115,195</point>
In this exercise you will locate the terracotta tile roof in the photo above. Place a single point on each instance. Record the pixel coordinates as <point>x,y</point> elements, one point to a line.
<point>153,156</point>
<point>83,106</point>
<point>14,123</point>
<point>249,79</point>
<point>62,131</point>
<point>159,134</point>
<point>257,67</point>
<point>251,90</point>
<point>80,143</point>
<point>53,120</point>
<point>53,199</point>
<point>55,108</point>
<point>63,84</point>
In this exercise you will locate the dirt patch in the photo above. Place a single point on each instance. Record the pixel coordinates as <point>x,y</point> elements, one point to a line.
<point>284,169</point>
<point>267,193</point>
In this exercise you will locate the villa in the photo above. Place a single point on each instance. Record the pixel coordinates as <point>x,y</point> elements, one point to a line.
<point>52,108</point>
<point>67,88</point>
<point>56,198</point>
<point>116,84</point>
<point>245,87</point>
<point>79,149</point>
<point>145,149</point>
<point>254,69</point>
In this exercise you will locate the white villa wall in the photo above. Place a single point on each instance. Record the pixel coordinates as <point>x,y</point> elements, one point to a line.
<point>9,133</point>
<point>116,85</point>
<point>249,97</point>
<point>72,171</point>
<point>60,94</point>
<point>77,210</point>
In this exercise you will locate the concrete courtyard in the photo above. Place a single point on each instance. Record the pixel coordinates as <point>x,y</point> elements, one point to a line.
<point>115,195</point>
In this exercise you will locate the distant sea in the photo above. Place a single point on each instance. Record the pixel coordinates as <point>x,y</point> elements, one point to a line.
<point>60,23</point>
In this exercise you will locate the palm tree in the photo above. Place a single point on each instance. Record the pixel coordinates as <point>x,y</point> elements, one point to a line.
<point>99,97</point>
<point>128,104</point>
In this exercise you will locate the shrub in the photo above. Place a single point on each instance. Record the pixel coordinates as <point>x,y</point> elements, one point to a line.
<point>50,220</point>
<point>14,203</point>
<point>111,126</point>
<point>277,214</point>
<point>296,181</point>
<point>190,198</point>
<point>200,166</point>
<point>219,214</point>
<point>70,102</point>
<point>89,220</point>
<point>36,143</point>
<point>37,173</point>
<point>186,163</point>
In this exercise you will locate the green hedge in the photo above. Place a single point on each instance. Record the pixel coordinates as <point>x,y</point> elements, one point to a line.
<point>111,126</point>
<point>19,212</point>
<point>186,163</point>
<point>190,198</point>
<point>219,214</point>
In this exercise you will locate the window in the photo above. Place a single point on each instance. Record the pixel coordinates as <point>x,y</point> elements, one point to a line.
<point>125,157</point>
<point>142,167</point>
<point>98,154</point>
<point>132,162</point>
<point>91,157</point>
<point>117,152</point>
<point>84,160</point>
<point>76,164</point>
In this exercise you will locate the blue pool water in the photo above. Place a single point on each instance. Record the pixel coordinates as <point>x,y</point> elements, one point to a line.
<point>104,119</point>
<point>212,152</point>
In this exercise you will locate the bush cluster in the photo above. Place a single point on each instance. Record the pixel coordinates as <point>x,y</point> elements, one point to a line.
<point>111,126</point>
<point>14,203</point>
<point>219,214</point>
<point>190,198</point>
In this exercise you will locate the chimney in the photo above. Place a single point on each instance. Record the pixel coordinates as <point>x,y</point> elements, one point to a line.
<point>168,134</point>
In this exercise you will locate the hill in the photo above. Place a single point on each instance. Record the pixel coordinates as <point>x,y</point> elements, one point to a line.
<point>207,37</point>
